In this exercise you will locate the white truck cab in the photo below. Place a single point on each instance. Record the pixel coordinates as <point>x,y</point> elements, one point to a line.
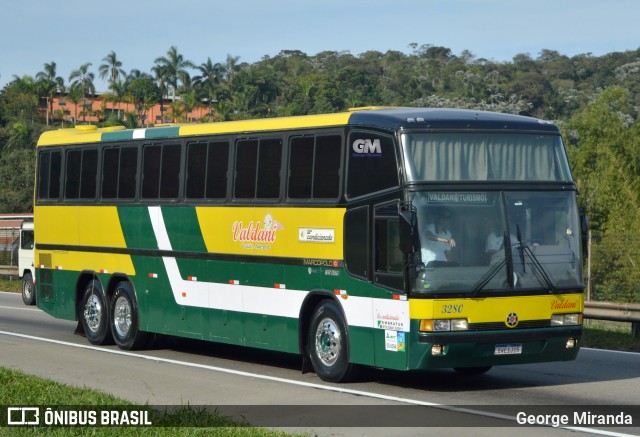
<point>26,265</point>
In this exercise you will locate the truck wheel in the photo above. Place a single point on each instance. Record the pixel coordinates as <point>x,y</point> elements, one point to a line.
<point>94,314</point>
<point>124,319</point>
<point>328,345</point>
<point>28,290</point>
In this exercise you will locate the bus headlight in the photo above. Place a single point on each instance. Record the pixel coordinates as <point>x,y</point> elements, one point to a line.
<point>566,319</point>
<point>442,325</point>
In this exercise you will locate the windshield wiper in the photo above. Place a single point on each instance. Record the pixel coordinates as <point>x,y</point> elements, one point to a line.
<point>493,271</point>
<point>537,268</point>
<point>487,277</point>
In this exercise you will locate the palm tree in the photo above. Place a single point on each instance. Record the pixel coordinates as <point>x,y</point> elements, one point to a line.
<point>231,68</point>
<point>83,80</point>
<point>209,79</point>
<point>49,84</point>
<point>111,69</point>
<point>118,93</point>
<point>161,77</point>
<point>75,96</point>
<point>173,68</point>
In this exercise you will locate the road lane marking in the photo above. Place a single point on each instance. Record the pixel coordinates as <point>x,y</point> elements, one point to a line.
<point>20,309</point>
<point>343,390</point>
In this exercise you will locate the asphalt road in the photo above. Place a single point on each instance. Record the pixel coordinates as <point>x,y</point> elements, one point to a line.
<point>269,388</point>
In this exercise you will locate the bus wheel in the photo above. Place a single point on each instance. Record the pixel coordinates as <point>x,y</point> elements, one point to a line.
<point>124,319</point>
<point>328,348</point>
<point>472,370</point>
<point>94,314</point>
<point>28,290</point>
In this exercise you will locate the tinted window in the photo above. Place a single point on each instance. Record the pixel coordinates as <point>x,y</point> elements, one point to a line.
<point>49,170</point>
<point>356,241</point>
<point>207,166</point>
<point>314,167</point>
<point>81,174</point>
<point>269,163</point>
<point>161,171</point>
<point>127,173</point>
<point>119,168</point>
<point>89,174</point>
<point>110,168</point>
<point>258,169</point>
<point>387,255</point>
<point>326,171</point>
<point>372,163</point>
<point>301,167</point>
<point>246,164</point>
<point>72,183</point>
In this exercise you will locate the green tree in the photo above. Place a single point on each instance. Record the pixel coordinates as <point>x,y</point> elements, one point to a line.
<point>111,69</point>
<point>144,93</point>
<point>82,79</point>
<point>208,82</point>
<point>48,84</point>
<point>172,68</point>
<point>603,151</point>
<point>19,100</point>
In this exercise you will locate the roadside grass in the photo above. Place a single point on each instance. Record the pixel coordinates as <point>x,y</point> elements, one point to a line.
<point>20,389</point>
<point>14,286</point>
<point>611,336</point>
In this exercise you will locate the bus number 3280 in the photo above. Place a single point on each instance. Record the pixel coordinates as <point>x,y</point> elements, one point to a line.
<point>452,309</point>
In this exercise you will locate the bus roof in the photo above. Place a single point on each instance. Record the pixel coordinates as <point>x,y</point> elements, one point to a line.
<point>381,117</point>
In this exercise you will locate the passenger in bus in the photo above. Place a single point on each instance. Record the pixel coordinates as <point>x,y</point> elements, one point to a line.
<point>437,241</point>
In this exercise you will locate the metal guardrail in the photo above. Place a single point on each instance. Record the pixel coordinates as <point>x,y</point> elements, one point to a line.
<point>9,270</point>
<point>617,312</point>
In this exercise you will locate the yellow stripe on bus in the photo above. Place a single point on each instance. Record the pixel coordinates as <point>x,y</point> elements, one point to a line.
<point>496,309</point>
<point>278,123</point>
<point>271,231</point>
<point>94,226</point>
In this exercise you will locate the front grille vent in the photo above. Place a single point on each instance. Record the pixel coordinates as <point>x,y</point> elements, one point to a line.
<point>497,326</point>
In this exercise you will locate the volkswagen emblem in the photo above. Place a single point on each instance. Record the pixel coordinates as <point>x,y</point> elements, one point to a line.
<point>512,320</point>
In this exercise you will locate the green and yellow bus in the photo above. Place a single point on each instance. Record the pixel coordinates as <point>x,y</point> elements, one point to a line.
<point>400,238</point>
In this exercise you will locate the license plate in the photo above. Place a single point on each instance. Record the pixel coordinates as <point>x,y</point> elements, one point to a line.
<point>508,349</point>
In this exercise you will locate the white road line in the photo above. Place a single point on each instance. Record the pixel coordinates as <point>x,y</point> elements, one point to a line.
<point>607,350</point>
<point>20,309</point>
<point>302,383</point>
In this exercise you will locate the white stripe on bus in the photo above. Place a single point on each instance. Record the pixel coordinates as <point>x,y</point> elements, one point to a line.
<point>283,302</point>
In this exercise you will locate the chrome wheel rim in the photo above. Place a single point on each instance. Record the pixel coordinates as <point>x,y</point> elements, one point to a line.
<point>93,313</point>
<point>122,316</point>
<point>327,342</point>
<point>27,289</point>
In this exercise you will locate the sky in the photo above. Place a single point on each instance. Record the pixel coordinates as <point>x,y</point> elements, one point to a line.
<point>74,32</point>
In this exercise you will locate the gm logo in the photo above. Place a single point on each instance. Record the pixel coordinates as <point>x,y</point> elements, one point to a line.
<point>367,147</point>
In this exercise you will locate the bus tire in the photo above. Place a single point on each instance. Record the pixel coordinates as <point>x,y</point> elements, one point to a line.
<point>28,290</point>
<point>328,345</point>
<point>94,314</point>
<point>472,370</point>
<point>125,326</point>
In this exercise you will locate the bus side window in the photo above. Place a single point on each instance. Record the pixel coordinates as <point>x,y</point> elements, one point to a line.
<point>49,172</point>
<point>314,167</point>
<point>207,167</point>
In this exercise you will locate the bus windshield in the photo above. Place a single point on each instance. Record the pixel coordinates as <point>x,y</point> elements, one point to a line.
<point>497,241</point>
<point>461,156</point>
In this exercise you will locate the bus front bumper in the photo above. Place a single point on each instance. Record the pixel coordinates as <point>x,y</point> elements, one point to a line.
<point>492,348</point>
